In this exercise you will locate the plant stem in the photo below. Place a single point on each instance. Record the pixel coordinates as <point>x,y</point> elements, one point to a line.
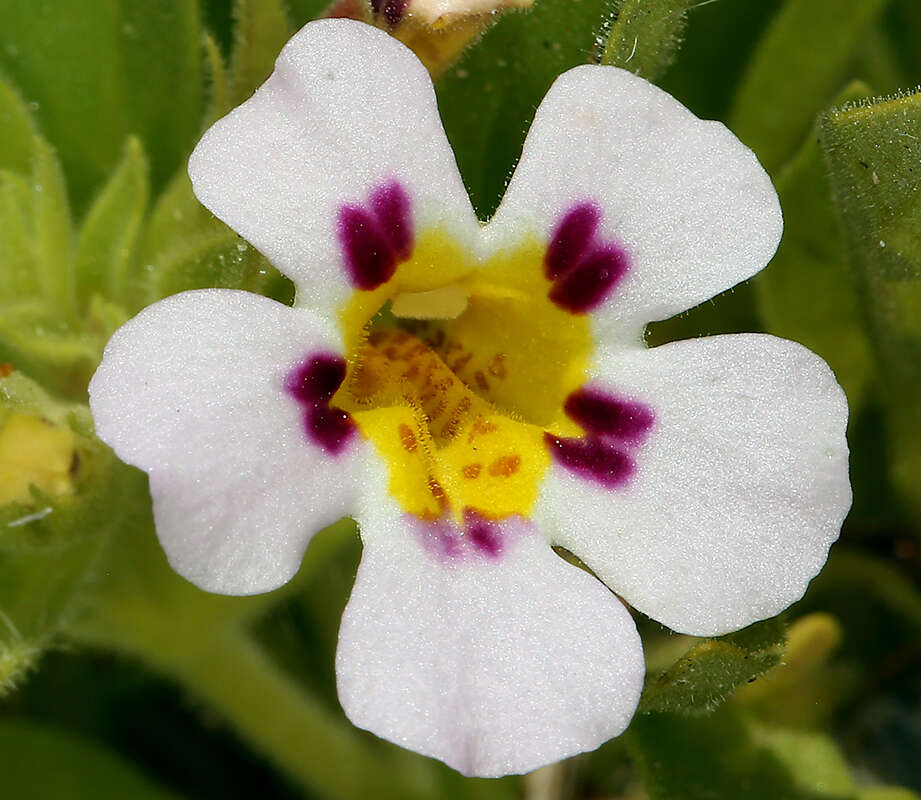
<point>267,708</point>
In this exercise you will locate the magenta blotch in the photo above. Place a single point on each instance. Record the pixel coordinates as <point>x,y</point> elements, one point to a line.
<point>571,239</point>
<point>584,270</point>
<point>312,383</point>
<point>472,540</point>
<point>593,459</point>
<point>485,535</point>
<point>375,238</point>
<point>599,413</point>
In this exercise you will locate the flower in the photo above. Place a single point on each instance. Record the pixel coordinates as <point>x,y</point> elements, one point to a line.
<point>437,31</point>
<point>473,394</point>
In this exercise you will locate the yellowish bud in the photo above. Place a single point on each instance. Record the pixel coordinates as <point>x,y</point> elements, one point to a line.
<point>35,452</point>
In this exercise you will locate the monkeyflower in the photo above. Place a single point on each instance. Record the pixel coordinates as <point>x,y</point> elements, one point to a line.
<point>474,394</point>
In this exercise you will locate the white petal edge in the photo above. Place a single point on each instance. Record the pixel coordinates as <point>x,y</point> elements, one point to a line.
<point>346,109</point>
<point>740,488</point>
<point>688,201</point>
<point>192,392</point>
<point>494,667</point>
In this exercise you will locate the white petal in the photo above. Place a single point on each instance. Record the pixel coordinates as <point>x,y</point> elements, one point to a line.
<point>740,487</point>
<point>192,391</point>
<point>347,109</point>
<point>493,665</point>
<point>687,201</point>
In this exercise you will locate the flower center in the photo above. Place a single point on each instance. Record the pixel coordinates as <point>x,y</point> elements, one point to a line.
<point>457,382</point>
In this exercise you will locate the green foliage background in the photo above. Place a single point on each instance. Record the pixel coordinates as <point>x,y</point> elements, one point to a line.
<point>118,679</point>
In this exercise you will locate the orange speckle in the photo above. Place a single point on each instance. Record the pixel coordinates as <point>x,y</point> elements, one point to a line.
<point>497,367</point>
<point>6,369</point>
<point>471,471</point>
<point>504,466</point>
<point>481,382</point>
<point>461,362</point>
<point>480,426</point>
<point>408,438</point>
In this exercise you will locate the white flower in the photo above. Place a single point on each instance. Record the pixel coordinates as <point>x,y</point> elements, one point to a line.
<point>472,394</point>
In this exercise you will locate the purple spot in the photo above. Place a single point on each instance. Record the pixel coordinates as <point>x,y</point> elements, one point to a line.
<point>592,459</point>
<point>571,239</point>
<point>391,205</point>
<point>393,11</point>
<point>601,414</point>
<point>587,285</point>
<point>376,238</point>
<point>368,254</point>
<point>484,534</point>
<point>312,384</point>
<point>317,379</point>
<point>583,270</point>
<point>330,427</point>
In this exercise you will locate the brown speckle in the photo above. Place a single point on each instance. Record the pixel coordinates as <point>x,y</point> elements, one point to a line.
<point>504,466</point>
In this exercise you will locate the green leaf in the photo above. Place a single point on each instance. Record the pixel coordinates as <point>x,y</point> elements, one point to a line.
<point>81,770</point>
<point>645,36</point>
<point>874,153</point>
<point>807,292</point>
<point>711,670</point>
<point>219,102</point>
<point>219,258</point>
<point>108,236</point>
<point>18,130</point>
<point>177,215</point>
<point>94,76</point>
<point>725,757</point>
<point>795,71</point>
<point>488,100</point>
<point>18,278</point>
<point>52,230</point>
<point>261,31</point>
<point>48,349</point>
<point>888,793</point>
<point>812,760</point>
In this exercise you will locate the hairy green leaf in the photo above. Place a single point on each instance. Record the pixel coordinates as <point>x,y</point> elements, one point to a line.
<point>108,236</point>
<point>795,71</point>
<point>39,342</point>
<point>219,102</point>
<point>96,74</point>
<point>874,156</point>
<point>645,36</point>
<point>807,293</point>
<point>52,231</point>
<point>711,670</point>
<point>18,278</point>
<point>261,31</point>
<point>18,130</point>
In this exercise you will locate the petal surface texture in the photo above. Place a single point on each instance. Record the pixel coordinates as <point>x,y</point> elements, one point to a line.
<point>686,200</point>
<point>494,666</point>
<point>192,391</point>
<point>347,108</point>
<point>739,490</point>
